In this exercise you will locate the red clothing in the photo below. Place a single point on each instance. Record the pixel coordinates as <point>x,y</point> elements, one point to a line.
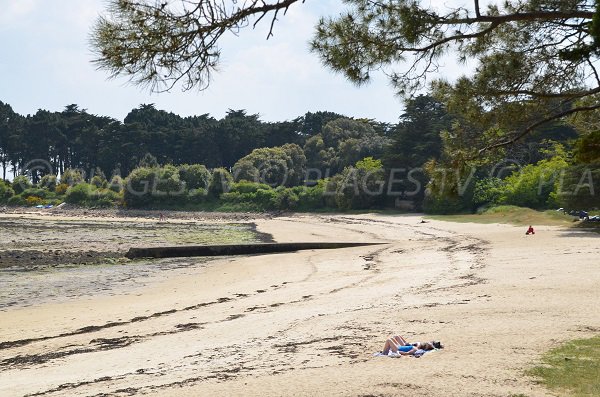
<point>530,230</point>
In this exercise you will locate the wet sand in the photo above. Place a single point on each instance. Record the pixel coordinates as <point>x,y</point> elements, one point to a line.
<point>307,323</point>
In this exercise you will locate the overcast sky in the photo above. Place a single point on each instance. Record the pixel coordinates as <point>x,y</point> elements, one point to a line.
<point>45,62</point>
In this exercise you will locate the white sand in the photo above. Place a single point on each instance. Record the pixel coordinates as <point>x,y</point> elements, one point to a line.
<point>307,323</point>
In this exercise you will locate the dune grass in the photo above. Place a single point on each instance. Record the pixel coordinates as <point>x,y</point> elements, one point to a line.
<point>513,215</point>
<point>572,369</point>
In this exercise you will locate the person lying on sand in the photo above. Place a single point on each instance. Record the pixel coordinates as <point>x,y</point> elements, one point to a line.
<point>398,344</point>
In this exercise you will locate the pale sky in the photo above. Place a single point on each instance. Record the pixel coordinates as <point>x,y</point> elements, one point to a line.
<point>45,62</point>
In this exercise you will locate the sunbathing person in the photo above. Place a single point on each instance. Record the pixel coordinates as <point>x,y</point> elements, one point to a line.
<point>398,344</point>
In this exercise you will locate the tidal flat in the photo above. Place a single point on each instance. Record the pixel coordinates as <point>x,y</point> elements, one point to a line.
<point>50,260</point>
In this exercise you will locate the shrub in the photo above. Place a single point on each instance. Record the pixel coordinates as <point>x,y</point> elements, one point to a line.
<point>443,205</point>
<point>329,187</point>
<point>80,194</point>
<point>33,201</point>
<point>21,183</point>
<point>71,177</point>
<point>61,188</point>
<point>248,187</point>
<point>533,185</point>
<point>168,182</point>
<point>116,184</point>
<point>196,196</point>
<point>195,176</point>
<point>287,199</point>
<point>16,201</point>
<point>138,187</point>
<point>361,186</point>
<point>35,192</point>
<point>266,199</point>
<point>48,182</point>
<point>99,181</point>
<point>220,182</point>
<point>237,197</point>
<point>148,186</point>
<point>104,198</point>
<point>311,197</point>
<point>6,191</point>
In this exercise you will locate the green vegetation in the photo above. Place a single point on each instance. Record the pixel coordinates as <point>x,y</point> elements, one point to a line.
<point>573,369</point>
<point>521,130</point>
<point>512,214</point>
<point>320,161</point>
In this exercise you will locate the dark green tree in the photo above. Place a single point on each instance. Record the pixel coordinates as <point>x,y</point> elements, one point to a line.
<point>10,124</point>
<point>416,138</point>
<point>238,134</point>
<point>341,143</point>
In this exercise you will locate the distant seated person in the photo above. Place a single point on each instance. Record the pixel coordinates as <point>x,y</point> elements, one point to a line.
<point>530,230</point>
<point>399,345</point>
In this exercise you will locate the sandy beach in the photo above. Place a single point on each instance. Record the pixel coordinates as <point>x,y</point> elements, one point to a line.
<point>307,323</point>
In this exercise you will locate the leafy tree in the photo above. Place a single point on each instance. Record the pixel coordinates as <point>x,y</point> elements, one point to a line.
<point>10,124</point>
<point>270,165</point>
<point>361,186</point>
<point>278,166</point>
<point>160,44</point>
<point>587,148</point>
<point>238,134</point>
<point>245,170</point>
<point>450,179</point>
<point>312,124</point>
<point>315,152</point>
<point>195,176</point>
<point>341,143</point>
<point>535,185</point>
<point>487,191</point>
<point>533,56</point>
<point>296,164</point>
<point>578,188</point>
<point>147,186</point>
<point>281,133</point>
<point>416,138</point>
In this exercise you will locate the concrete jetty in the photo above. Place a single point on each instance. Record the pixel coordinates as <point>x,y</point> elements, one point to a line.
<point>233,249</point>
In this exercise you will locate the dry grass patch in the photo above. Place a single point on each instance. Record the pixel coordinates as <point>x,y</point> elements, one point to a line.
<point>513,215</point>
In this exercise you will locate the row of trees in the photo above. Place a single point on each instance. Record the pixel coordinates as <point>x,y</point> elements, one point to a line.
<point>361,163</point>
<point>75,138</point>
